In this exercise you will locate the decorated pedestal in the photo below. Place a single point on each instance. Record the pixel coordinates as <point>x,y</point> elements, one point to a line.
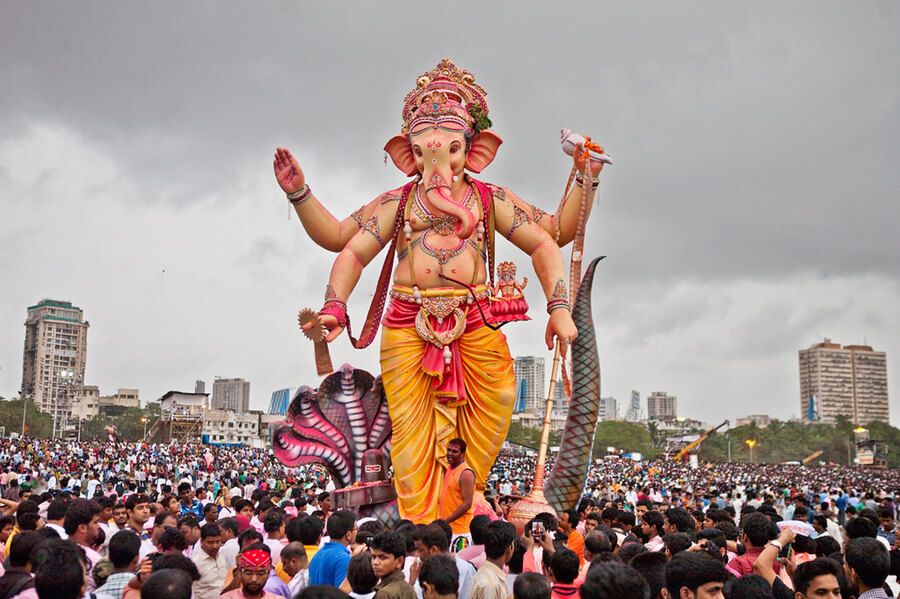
<point>374,487</point>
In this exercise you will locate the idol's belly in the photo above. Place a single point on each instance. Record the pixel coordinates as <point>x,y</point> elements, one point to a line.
<point>427,270</point>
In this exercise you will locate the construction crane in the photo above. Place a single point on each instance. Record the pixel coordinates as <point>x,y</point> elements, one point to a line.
<point>695,444</point>
<point>813,456</point>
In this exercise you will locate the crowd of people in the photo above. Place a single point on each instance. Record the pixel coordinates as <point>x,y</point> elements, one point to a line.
<point>111,521</point>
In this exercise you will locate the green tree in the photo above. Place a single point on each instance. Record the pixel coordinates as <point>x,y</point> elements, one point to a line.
<point>530,436</point>
<point>655,436</point>
<point>40,424</point>
<point>627,436</point>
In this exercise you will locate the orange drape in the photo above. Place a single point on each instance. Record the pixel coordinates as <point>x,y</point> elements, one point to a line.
<point>422,426</point>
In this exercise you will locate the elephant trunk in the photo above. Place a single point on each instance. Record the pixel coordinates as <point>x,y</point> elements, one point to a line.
<point>567,479</point>
<point>438,192</point>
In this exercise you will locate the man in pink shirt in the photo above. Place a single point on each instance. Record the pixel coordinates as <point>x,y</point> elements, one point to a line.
<point>253,569</point>
<point>82,524</point>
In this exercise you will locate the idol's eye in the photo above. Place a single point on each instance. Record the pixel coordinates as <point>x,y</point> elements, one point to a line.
<point>454,148</point>
<point>417,152</point>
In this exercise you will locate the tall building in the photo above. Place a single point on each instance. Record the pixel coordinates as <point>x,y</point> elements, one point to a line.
<point>560,401</point>
<point>634,408</point>
<point>849,380</point>
<point>609,409</point>
<point>199,386</point>
<point>662,406</point>
<point>280,401</point>
<point>231,394</point>
<point>521,389</point>
<point>531,370</point>
<point>54,359</point>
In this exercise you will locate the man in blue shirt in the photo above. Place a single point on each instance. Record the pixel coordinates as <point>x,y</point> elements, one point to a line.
<point>187,504</point>
<point>841,504</point>
<point>329,564</point>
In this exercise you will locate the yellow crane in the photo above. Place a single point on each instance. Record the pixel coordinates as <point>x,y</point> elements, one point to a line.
<point>813,456</point>
<point>695,444</point>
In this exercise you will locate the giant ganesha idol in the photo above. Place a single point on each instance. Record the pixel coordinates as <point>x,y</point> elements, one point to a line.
<point>445,372</point>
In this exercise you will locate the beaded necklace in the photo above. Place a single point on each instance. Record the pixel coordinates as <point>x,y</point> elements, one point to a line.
<point>437,252</point>
<point>443,255</point>
<point>444,224</point>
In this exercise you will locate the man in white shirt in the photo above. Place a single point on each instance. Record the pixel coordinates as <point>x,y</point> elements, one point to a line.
<point>274,526</point>
<point>210,563</point>
<point>434,540</point>
<point>295,564</point>
<point>56,515</point>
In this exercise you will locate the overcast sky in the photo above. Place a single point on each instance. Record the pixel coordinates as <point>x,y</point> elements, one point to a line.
<point>751,211</point>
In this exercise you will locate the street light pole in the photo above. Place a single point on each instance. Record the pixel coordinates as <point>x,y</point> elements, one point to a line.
<point>751,443</point>
<point>24,410</point>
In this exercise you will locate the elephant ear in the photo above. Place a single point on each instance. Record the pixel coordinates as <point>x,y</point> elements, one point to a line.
<point>401,153</point>
<point>482,151</point>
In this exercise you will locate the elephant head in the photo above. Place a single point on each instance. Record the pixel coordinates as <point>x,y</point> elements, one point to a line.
<point>445,132</point>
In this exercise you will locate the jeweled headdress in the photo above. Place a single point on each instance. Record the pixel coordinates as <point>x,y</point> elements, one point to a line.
<point>446,94</point>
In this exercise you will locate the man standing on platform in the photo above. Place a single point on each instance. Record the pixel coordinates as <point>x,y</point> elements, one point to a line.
<point>456,503</point>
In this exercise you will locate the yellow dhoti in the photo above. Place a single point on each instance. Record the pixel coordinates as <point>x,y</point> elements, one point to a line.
<point>425,419</point>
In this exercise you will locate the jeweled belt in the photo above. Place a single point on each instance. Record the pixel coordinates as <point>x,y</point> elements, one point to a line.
<point>440,303</point>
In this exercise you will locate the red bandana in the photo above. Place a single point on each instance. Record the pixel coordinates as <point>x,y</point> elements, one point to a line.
<point>255,558</point>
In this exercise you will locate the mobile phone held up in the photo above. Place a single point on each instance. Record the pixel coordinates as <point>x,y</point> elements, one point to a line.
<point>537,530</point>
<point>785,551</point>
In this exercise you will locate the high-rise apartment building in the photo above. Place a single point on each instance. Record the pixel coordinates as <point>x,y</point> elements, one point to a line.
<point>280,401</point>
<point>530,369</point>
<point>849,380</point>
<point>231,394</point>
<point>609,409</point>
<point>54,358</point>
<point>662,406</point>
<point>560,401</point>
<point>633,414</point>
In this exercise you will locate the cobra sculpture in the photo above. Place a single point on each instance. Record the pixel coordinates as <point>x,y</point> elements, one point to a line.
<point>347,417</point>
<point>566,484</point>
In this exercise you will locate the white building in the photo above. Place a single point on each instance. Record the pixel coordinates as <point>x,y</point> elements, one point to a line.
<point>849,380</point>
<point>536,420</point>
<point>530,370</point>
<point>761,420</point>
<point>662,406</point>
<point>54,358</point>
<point>179,405</point>
<point>231,394</point>
<point>609,409</point>
<point>85,403</point>
<point>88,403</point>
<point>633,414</point>
<point>227,426</point>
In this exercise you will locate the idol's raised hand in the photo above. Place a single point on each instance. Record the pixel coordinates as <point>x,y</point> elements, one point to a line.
<point>287,171</point>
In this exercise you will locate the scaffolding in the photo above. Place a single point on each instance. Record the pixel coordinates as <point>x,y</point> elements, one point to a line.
<point>181,418</point>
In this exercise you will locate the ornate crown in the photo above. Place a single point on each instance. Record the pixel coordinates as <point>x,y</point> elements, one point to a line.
<point>505,269</point>
<point>446,93</point>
